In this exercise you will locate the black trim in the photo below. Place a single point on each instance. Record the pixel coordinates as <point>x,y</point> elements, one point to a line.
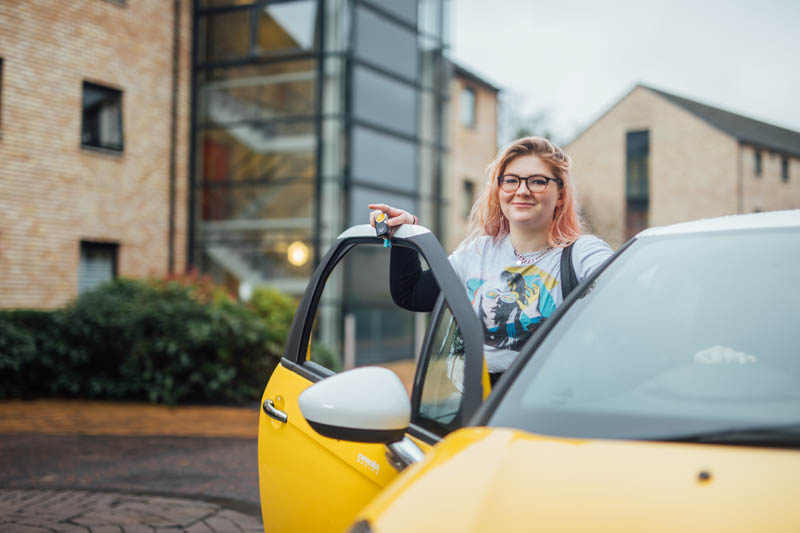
<point>319,120</point>
<point>528,349</point>
<point>173,133</point>
<point>308,369</point>
<point>191,214</point>
<point>385,436</point>
<point>423,434</point>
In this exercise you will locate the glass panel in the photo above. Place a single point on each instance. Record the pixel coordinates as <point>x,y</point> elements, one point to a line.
<point>257,92</point>
<point>287,27</point>
<point>384,43</point>
<point>404,9</point>
<point>443,382</point>
<point>278,257</point>
<point>427,116</point>
<point>383,159</point>
<point>360,198</point>
<point>253,152</point>
<point>429,16</point>
<point>337,25</point>
<point>431,60</point>
<point>384,101</point>
<point>223,36</point>
<point>291,201</point>
<point>358,324</point>
<point>446,10</point>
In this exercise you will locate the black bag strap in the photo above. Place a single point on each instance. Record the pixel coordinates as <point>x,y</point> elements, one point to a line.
<point>569,280</point>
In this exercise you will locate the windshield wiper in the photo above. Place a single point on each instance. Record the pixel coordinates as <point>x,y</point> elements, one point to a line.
<point>783,436</point>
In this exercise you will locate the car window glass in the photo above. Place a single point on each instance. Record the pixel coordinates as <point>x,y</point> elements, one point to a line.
<point>443,378</point>
<point>680,334</point>
<point>366,327</point>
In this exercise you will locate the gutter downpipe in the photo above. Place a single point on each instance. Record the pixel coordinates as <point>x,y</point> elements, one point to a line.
<point>173,132</point>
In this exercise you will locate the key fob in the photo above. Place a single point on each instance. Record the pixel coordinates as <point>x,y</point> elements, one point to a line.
<point>381,226</point>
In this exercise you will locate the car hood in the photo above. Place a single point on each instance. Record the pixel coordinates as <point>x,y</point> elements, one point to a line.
<point>484,479</point>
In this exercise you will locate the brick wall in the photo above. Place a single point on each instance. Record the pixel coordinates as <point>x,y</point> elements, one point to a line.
<point>471,151</point>
<point>53,192</point>
<point>768,192</point>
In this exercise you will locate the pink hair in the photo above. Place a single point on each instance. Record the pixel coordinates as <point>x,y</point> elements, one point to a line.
<point>486,217</point>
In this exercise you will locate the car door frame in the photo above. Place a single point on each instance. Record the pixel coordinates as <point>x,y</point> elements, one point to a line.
<point>424,242</point>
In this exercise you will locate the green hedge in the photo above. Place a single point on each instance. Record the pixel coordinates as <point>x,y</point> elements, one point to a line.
<point>165,341</point>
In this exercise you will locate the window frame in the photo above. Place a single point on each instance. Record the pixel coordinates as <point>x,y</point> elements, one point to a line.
<point>108,90</point>
<point>113,247</point>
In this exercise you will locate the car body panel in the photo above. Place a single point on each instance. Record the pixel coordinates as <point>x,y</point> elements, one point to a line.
<point>289,501</point>
<point>482,479</point>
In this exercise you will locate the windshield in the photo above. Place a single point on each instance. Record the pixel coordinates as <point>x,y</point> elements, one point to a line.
<point>680,335</point>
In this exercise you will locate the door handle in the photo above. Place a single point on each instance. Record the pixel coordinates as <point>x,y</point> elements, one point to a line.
<point>273,412</point>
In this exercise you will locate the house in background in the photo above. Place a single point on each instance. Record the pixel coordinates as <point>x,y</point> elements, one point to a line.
<point>472,134</point>
<point>655,158</point>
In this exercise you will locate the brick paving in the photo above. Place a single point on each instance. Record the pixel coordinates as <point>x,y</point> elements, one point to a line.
<point>28,511</point>
<point>69,465</point>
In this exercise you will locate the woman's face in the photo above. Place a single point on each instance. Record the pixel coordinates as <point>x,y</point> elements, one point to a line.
<point>523,208</point>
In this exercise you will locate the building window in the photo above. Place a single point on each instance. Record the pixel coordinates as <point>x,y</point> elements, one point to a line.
<point>469,197</point>
<point>637,181</point>
<point>102,117</point>
<point>785,169</point>
<point>757,164</point>
<point>98,264</point>
<point>468,107</point>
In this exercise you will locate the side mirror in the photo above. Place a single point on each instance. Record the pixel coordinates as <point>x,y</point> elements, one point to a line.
<point>367,404</point>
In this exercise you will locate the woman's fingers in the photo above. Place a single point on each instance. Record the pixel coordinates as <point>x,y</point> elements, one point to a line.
<point>404,218</point>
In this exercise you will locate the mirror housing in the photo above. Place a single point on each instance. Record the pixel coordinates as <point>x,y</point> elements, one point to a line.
<point>367,404</point>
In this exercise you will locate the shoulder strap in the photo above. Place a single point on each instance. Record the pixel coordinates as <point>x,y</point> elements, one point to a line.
<point>569,280</point>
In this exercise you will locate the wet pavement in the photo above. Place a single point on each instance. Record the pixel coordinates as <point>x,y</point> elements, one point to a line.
<point>78,466</point>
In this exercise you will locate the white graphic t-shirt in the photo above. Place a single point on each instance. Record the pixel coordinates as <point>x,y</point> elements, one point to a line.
<point>513,299</point>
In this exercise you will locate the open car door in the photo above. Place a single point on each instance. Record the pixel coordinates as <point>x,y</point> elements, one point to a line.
<point>309,482</point>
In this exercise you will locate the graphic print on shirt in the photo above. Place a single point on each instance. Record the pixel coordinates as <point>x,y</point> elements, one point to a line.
<point>512,305</point>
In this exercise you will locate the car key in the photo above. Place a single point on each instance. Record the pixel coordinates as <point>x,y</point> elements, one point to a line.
<point>382,228</point>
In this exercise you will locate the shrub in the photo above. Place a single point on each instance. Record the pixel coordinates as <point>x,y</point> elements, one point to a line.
<point>163,341</point>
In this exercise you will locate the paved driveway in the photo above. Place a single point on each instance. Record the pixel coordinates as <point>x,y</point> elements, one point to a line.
<point>75,466</point>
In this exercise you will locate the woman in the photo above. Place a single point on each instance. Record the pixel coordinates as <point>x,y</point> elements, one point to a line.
<point>510,260</point>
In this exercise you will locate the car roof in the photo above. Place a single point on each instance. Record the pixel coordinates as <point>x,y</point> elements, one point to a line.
<point>766,220</point>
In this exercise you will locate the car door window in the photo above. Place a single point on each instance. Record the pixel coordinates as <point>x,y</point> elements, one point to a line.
<point>441,376</point>
<point>366,327</point>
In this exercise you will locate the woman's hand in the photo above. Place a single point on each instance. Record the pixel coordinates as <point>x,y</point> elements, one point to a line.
<point>397,217</point>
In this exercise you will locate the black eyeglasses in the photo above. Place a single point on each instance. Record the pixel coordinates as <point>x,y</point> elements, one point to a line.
<point>535,183</point>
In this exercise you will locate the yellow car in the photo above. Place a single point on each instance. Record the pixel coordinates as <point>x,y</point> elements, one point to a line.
<point>663,395</point>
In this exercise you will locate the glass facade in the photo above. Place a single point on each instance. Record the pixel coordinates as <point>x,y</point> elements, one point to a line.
<point>304,112</point>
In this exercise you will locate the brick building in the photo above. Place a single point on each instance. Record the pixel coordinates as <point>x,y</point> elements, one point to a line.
<point>655,158</point>
<point>94,141</point>
<point>472,136</point>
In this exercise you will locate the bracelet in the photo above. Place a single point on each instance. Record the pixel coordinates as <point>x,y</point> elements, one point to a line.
<point>415,219</point>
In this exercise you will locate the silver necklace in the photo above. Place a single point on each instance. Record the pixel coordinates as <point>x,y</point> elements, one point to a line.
<point>530,260</point>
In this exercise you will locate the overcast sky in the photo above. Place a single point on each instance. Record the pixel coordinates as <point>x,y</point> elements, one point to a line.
<point>576,58</point>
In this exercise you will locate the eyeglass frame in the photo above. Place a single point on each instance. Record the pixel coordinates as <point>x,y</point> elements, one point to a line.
<point>548,179</point>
